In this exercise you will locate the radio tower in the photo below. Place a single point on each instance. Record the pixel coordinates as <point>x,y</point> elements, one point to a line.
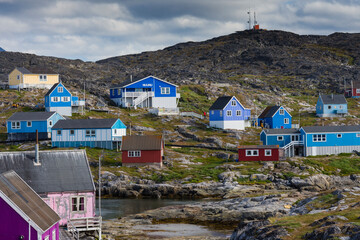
<point>255,22</point>
<point>249,21</point>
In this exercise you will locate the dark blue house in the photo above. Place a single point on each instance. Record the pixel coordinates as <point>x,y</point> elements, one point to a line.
<point>275,117</point>
<point>23,125</point>
<point>59,99</point>
<point>149,92</point>
<point>228,113</point>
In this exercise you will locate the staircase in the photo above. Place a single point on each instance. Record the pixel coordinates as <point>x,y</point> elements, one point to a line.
<point>289,148</point>
<point>142,97</point>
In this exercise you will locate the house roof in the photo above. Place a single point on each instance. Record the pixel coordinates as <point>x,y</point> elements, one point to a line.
<point>60,171</point>
<point>333,99</point>
<point>281,131</point>
<point>129,82</point>
<point>135,142</point>
<point>220,103</point>
<point>21,195</point>
<point>52,89</point>
<point>36,70</point>
<point>257,146</point>
<point>269,111</point>
<point>327,129</point>
<point>23,70</point>
<point>30,116</point>
<point>84,123</point>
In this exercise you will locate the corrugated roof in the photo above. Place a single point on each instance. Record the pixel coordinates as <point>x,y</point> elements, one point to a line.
<point>333,99</point>
<point>336,129</point>
<point>141,143</point>
<point>282,131</point>
<point>60,171</point>
<point>257,146</point>
<point>84,123</point>
<point>220,103</point>
<point>27,200</point>
<point>30,116</point>
<point>269,111</point>
<point>52,89</point>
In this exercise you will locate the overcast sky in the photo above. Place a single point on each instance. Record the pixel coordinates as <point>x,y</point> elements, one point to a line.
<point>96,29</point>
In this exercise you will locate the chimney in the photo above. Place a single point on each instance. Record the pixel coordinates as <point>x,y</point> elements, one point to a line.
<point>37,160</point>
<point>131,78</point>
<point>332,96</point>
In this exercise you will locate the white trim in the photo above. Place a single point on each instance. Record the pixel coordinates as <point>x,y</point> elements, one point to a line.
<point>284,111</point>
<point>267,155</point>
<point>135,152</point>
<point>237,101</point>
<point>144,79</point>
<point>280,137</point>
<point>253,153</point>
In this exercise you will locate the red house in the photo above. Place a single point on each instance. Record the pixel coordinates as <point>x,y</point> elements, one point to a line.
<point>260,153</point>
<point>353,91</point>
<point>142,150</point>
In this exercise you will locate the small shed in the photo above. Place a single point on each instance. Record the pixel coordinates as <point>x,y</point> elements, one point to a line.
<point>24,215</point>
<point>260,153</point>
<point>142,150</point>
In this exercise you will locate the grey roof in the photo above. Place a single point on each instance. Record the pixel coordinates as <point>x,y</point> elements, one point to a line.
<point>60,171</point>
<point>257,146</point>
<point>220,103</point>
<point>282,131</point>
<point>30,116</point>
<point>20,194</point>
<point>36,70</point>
<point>52,89</point>
<point>324,129</point>
<point>141,142</point>
<point>23,70</point>
<point>84,123</point>
<point>269,111</point>
<point>333,99</point>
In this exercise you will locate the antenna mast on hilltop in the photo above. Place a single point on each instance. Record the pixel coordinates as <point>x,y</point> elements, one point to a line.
<point>255,22</point>
<point>249,21</point>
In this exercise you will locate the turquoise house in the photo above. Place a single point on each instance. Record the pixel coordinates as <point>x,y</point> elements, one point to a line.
<point>331,105</point>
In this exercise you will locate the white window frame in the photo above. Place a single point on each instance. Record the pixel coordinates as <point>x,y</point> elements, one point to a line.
<point>228,113</point>
<point>53,234</point>
<point>238,112</point>
<point>358,90</point>
<point>281,112</point>
<point>136,153</point>
<point>47,237</point>
<point>60,89</point>
<point>90,133</point>
<point>357,134</point>
<point>55,99</point>
<point>233,103</point>
<point>286,121</point>
<point>29,124</point>
<point>65,99</point>
<point>319,137</point>
<point>77,207</point>
<point>280,138</point>
<point>58,132</point>
<point>50,123</point>
<point>165,90</point>
<point>267,152</point>
<point>251,153</point>
<point>15,125</point>
<point>339,135</point>
<point>42,78</point>
<point>18,77</point>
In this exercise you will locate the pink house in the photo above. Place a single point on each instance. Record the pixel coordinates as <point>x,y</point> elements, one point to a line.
<point>24,215</point>
<point>61,178</point>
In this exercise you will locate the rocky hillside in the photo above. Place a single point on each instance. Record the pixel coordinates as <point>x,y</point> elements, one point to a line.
<point>258,59</point>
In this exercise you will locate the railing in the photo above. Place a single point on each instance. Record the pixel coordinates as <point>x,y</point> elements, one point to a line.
<point>78,103</point>
<point>164,111</point>
<point>75,226</point>
<point>177,95</point>
<point>140,99</point>
<point>192,114</point>
<point>289,148</point>
<point>137,94</point>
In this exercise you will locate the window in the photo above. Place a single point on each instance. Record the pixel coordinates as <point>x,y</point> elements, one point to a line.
<point>60,89</point>
<point>238,112</point>
<point>319,138</point>
<point>15,125</point>
<point>339,135</point>
<point>220,113</point>
<point>47,237</point>
<point>212,112</point>
<point>329,107</point>
<point>18,77</point>
<point>58,132</point>
<point>295,138</point>
<point>228,113</point>
<point>358,90</point>
<point>286,121</point>
<point>50,123</point>
<point>66,99</point>
<point>134,153</point>
<point>267,152</point>
<point>358,135</point>
<point>42,78</point>
<point>54,234</point>
<point>165,90</point>
<point>280,138</point>
<point>252,152</point>
<point>233,103</point>
<point>281,111</point>
<point>29,124</point>
<point>72,132</point>
<point>115,131</point>
<point>90,133</point>
<point>78,204</point>
<point>340,107</point>
<point>55,99</point>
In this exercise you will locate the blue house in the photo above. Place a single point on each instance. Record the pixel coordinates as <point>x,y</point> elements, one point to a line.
<point>59,99</point>
<point>23,125</point>
<point>275,117</point>
<point>228,113</point>
<point>149,92</point>
<point>331,105</point>
<point>100,133</point>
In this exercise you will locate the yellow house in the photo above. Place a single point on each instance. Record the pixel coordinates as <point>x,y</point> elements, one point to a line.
<point>21,78</point>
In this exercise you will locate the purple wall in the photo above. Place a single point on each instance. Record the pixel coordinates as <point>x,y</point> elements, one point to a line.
<point>12,225</point>
<point>49,232</point>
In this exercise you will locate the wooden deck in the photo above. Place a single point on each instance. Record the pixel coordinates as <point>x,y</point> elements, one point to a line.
<point>75,226</point>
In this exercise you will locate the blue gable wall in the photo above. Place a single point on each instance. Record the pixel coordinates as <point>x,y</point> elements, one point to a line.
<point>272,139</point>
<point>319,106</point>
<point>215,114</point>
<point>118,124</point>
<point>277,120</point>
<point>56,93</point>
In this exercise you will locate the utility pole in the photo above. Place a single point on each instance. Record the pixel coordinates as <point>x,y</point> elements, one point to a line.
<point>99,182</point>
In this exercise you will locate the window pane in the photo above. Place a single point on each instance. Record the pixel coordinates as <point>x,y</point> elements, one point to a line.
<point>82,204</point>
